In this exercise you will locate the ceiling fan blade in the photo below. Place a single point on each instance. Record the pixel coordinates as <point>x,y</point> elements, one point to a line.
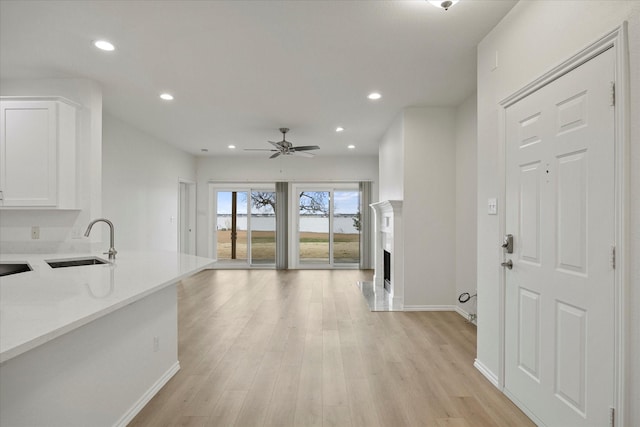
<point>259,149</point>
<point>273,156</point>
<point>275,144</point>
<point>302,154</point>
<point>305,148</point>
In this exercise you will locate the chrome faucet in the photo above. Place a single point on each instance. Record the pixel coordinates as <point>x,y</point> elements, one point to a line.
<point>112,251</point>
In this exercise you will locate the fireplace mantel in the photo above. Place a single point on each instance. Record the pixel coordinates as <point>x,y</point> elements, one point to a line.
<point>389,236</point>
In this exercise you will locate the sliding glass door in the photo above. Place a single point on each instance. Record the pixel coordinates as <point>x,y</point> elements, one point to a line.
<point>245,226</point>
<point>328,225</point>
<point>320,225</point>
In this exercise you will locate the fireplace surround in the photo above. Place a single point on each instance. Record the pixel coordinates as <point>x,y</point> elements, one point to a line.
<point>389,237</point>
<point>386,267</point>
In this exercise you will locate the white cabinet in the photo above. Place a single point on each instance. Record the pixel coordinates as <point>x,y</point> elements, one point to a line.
<point>37,153</point>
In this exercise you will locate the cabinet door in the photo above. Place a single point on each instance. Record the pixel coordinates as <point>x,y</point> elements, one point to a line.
<point>28,150</point>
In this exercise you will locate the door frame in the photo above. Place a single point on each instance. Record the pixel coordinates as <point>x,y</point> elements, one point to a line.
<point>191,214</point>
<point>616,40</point>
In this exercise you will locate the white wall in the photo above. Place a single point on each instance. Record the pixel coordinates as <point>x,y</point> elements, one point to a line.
<point>349,168</point>
<point>633,354</point>
<point>534,37</point>
<point>76,379</point>
<point>466,195</point>
<point>61,231</point>
<point>140,187</point>
<point>429,206</point>
<point>391,161</point>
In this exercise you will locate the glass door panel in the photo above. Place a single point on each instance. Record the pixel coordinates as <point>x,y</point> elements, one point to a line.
<point>263,227</point>
<point>346,227</point>
<point>313,227</point>
<point>231,224</point>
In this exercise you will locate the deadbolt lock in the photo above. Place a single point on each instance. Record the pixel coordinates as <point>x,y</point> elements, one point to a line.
<point>508,243</point>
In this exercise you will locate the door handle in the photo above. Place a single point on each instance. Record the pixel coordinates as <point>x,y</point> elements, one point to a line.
<point>508,263</point>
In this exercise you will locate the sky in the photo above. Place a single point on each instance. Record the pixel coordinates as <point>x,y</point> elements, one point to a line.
<point>346,202</point>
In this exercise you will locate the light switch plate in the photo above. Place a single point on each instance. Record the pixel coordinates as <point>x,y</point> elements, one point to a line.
<point>492,206</point>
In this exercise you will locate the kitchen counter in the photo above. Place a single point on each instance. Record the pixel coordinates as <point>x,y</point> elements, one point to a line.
<point>41,305</point>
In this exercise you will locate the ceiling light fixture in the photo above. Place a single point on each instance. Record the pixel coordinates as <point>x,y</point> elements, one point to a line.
<point>446,4</point>
<point>231,147</point>
<point>374,96</point>
<point>351,147</point>
<point>104,45</point>
<point>339,129</point>
<point>166,96</point>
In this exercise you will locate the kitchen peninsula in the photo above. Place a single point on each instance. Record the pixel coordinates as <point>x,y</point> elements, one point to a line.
<point>91,344</point>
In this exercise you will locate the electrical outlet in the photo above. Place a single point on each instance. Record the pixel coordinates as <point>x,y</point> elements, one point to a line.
<point>35,232</point>
<point>156,344</point>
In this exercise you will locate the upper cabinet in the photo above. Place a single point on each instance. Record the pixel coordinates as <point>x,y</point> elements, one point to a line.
<point>37,153</point>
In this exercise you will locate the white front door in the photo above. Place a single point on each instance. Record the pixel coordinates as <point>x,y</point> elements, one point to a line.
<point>559,324</point>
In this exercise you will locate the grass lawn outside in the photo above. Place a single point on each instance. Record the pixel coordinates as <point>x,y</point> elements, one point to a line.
<point>346,247</point>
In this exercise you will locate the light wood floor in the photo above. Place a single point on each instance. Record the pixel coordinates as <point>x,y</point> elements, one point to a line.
<point>301,348</point>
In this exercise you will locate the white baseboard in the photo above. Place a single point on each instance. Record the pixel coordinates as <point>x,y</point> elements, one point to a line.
<point>398,302</point>
<point>461,312</point>
<point>537,421</point>
<point>464,314</point>
<point>137,407</point>
<point>493,378</point>
<point>429,308</point>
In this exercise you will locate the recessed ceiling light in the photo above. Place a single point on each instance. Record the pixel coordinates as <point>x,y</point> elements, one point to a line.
<point>446,4</point>
<point>166,96</point>
<point>339,129</point>
<point>104,45</point>
<point>231,147</point>
<point>204,150</point>
<point>374,95</point>
<point>351,147</point>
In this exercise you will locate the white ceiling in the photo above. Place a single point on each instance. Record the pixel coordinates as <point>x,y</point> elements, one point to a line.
<point>239,70</point>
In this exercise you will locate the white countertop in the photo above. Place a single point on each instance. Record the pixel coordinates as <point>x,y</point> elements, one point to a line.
<point>40,305</point>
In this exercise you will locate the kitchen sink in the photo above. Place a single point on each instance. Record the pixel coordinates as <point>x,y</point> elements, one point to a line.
<point>75,262</point>
<point>7,268</point>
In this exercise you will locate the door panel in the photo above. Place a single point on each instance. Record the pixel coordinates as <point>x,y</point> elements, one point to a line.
<point>529,334</point>
<point>346,227</point>
<point>529,224</point>
<point>560,208</point>
<point>263,227</point>
<point>572,208</point>
<point>231,224</point>
<point>314,228</point>
<point>570,356</point>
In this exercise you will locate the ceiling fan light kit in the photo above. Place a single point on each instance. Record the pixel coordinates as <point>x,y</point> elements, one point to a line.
<point>286,148</point>
<point>446,4</point>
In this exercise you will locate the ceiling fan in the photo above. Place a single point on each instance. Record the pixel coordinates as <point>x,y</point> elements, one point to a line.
<point>286,148</point>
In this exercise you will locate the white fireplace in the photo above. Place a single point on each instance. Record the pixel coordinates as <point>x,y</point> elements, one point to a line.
<point>388,237</point>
